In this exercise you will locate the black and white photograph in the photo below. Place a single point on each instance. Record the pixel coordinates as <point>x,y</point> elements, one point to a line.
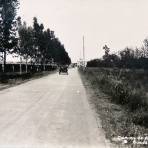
<point>73,73</point>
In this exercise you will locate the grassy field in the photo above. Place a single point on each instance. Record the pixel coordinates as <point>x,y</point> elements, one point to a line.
<point>120,99</point>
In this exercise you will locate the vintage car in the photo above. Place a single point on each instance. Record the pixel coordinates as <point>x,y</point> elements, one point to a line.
<point>63,69</point>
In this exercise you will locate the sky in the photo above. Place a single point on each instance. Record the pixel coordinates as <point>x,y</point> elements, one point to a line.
<point>117,23</point>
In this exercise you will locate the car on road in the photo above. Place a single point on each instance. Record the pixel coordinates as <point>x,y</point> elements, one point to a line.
<point>63,69</point>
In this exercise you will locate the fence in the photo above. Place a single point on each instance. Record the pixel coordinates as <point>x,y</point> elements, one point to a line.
<point>29,68</point>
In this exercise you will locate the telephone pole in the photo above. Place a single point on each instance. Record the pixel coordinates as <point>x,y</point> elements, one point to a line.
<point>83,52</point>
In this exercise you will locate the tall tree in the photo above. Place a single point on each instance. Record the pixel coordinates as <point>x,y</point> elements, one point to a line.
<point>38,39</point>
<point>46,51</point>
<point>41,45</point>
<point>8,25</point>
<point>26,42</point>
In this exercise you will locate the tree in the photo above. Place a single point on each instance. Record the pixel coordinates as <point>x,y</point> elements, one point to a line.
<point>38,39</point>
<point>8,40</point>
<point>47,47</point>
<point>26,43</point>
<point>107,50</point>
<point>41,45</point>
<point>137,53</point>
<point>145,48</point>
<point>59,53</point>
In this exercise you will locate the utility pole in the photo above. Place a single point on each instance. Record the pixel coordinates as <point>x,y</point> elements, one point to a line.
<point>83,52</point>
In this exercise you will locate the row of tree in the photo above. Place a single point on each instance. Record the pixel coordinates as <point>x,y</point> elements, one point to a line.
<point>126,58</point>
<point>32,43</point>
<point>39,45</point>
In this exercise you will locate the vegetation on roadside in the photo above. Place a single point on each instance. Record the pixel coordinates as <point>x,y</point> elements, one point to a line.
<point>14,75</point>
<point>120,101</point>
<point>12,79</point>
<point>39,45</point>
<point>32,44</point>
<point>8,27</point>
<point>126,88</point>
<point>124,77</point>
<point>128,58</point>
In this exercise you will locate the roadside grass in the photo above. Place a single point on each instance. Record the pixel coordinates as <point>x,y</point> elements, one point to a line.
<point>11,79</point>
<point>121,105</point>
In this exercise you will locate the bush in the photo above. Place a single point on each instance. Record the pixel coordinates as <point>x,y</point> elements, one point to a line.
<point>120,92</point>
<point>137,100</point>
<point>140,118</point>
<point>103,81</point>
<point>125,87</point>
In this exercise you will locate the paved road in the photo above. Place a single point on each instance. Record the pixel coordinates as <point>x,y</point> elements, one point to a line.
<point>52,111</point>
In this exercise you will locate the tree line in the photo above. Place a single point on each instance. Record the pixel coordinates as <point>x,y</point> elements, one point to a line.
<point>35,44</point>
<point>127,58</point>
<point>39,45</point>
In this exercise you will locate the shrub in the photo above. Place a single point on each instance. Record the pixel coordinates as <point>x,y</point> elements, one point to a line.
<point>120,92</point>
<point>137,100</point>
<point>140,118</point>
<point>125,87</point>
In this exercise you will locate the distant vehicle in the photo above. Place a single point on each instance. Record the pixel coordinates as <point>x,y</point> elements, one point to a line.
<point>73,65</point>
<point>63,69</point>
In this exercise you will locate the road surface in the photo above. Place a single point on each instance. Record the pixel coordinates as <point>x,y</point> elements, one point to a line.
<point>52,111</point>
